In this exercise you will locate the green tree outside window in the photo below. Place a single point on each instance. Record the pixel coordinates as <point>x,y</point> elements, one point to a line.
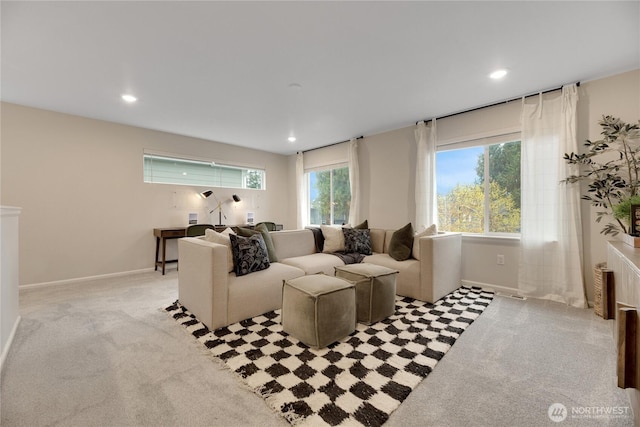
<point>464,207</point>
<point>330,196</point>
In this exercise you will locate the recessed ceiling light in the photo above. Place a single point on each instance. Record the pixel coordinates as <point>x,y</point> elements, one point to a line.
<point>498,74</point>
<point>292,139</point>
<point>129,98</point>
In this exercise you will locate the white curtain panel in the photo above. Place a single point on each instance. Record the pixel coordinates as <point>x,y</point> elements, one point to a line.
<point>426,210</point>
<point>354,180</point>
<point>550,243</point>
<point>301,192</point>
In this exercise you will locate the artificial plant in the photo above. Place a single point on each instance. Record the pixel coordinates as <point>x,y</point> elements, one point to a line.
<point>610,167</point>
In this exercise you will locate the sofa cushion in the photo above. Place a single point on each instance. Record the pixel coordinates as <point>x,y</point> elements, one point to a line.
<point>377,240</point>
<point>333,238</point>
<point>401,243</point>
<point>357,240</point>
<point>210,235</point>
<point>292,243</point>
<point>432,230</point>
<point>315,263</point>
<point>249,254</point>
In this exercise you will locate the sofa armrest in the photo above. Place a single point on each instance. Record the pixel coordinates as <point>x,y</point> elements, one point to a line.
<point>440,265</point>
<point>203,280</point>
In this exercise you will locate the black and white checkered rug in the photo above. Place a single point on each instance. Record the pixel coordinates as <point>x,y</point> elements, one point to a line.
<point>359,380</point>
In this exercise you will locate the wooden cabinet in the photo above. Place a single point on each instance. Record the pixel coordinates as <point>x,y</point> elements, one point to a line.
<point>624,261</point>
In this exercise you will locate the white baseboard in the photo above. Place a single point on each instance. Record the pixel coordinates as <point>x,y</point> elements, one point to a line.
<point>86,279</point>
<point>7,346</point>
<point>504,290</point>
<point>492,287</point>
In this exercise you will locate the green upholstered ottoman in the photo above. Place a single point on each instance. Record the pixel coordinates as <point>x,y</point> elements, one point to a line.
<point>318,309</point>
<point>375,290</point>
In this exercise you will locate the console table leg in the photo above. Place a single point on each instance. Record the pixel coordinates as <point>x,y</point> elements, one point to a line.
<point>157,252</point>
<point>164,234</point>
<point>164,254</point>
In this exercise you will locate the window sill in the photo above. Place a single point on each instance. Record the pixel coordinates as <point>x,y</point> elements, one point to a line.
<point>490,237</point>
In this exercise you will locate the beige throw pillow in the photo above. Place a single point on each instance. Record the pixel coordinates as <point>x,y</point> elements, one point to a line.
<point>222,238</point>
<point>333,238</point>
<point>429,231</point>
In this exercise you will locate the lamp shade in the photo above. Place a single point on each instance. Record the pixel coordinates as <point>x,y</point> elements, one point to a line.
<point>236,198</point>
<point>206,194</point>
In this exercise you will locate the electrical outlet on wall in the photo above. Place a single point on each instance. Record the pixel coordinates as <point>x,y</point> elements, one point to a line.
<point>500,259</point>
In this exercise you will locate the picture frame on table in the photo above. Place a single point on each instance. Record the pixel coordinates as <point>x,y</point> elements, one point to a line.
<point>635,221</point>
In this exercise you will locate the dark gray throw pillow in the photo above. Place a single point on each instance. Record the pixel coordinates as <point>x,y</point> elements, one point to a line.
<point>401,243</point>
<point>357,240</point>
<point>365,224</point>
<point>268,242</point>
<point>249,254</point>
<point>245,232</point>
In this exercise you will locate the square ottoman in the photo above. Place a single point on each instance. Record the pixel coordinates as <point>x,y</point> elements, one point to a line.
<point>375,290</point>
<point>318,309</point>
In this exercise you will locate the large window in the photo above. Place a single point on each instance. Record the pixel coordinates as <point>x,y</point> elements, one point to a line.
<point>174,170</point>
<point>329,196</point>
<point>479,188</point>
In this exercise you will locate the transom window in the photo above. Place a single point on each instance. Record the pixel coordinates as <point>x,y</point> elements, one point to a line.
<point>175,170</point>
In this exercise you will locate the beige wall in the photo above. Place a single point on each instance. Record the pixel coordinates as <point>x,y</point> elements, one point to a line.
<point>617,96</point>
<point>387,174</point>
<point>86,211</point>
<point>387,178</point>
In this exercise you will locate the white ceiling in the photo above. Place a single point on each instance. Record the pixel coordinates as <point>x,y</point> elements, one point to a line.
<point>223,71</point>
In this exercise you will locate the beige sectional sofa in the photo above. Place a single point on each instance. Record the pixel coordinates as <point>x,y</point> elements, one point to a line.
<point>219,298</point>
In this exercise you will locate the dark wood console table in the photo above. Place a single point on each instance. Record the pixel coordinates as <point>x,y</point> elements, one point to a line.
<point>162,234</point>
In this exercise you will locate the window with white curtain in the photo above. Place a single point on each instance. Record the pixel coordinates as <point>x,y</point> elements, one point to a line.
<point>329,195</point>
<point>167,169</point>
<point>478,185</point>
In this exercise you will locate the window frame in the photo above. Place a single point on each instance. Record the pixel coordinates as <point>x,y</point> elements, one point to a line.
<point>172,177</point>
<point>307,181</point>
<point>485,141</point>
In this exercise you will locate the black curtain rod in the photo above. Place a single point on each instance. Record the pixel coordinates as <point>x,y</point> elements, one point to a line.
<point>331,145</point>
<point>496,103</point>
<point>455,114</point>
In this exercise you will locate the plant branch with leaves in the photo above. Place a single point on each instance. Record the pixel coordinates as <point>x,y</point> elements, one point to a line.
<point>611,169</point>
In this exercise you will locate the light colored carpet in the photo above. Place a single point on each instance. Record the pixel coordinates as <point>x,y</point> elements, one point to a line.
<point>102,353</point>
